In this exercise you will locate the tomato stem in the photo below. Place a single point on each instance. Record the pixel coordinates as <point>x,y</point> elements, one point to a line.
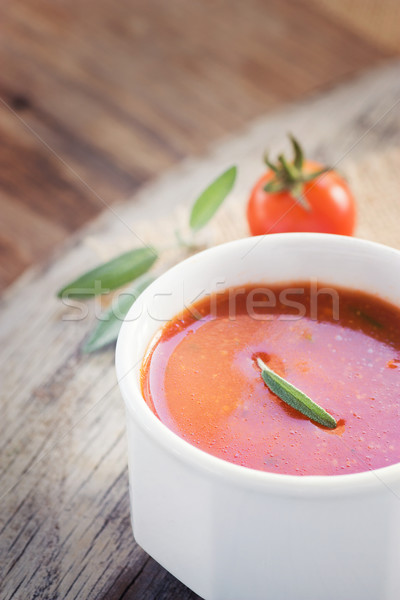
<point>289,176</point>
<point>298,153</point>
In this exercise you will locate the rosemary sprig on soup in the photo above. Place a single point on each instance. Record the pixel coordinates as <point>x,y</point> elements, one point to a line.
<point>202,379</point>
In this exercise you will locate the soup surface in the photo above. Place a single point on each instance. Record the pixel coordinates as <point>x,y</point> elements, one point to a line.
<point>341,347</point>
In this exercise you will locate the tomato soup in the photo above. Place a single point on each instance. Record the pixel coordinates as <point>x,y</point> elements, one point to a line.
<point>341,347</point>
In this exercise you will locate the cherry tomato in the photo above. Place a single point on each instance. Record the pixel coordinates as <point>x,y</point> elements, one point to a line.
<point>326,203</point>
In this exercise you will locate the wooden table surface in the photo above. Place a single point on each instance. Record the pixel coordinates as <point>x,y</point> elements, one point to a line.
<point>64,518</point>
<point>97,97</point>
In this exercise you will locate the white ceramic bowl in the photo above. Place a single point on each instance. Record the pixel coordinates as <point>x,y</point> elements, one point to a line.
<point>232,533</point>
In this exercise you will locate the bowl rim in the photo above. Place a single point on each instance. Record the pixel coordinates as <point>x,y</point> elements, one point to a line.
<point>204,462</point>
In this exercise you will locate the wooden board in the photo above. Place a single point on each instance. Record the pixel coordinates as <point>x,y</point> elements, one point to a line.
<point>99,96</point>
<point>64,512</point>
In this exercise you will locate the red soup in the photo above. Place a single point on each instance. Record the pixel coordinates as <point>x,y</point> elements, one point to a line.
<point>341,347</point>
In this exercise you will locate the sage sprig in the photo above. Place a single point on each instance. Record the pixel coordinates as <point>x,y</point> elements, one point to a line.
<point>366,317</point>
<point>295,397</point>
<point>111,275</point>
<point>109,324</point>
<point>210,200</point>
<point>132,265</point>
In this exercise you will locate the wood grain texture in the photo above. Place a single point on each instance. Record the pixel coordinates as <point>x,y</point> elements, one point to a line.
<point>64,517</point>
<point>99,96</point>
<point>376,20</point>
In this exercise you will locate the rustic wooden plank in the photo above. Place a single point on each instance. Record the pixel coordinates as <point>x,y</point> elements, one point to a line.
<point>64,519</point>
<point>373,19</point>
<point>121,91</point>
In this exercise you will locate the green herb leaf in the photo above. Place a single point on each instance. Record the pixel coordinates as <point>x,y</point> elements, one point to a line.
<point>294,397</point>
<point>110,322</point>
<point>368,318</point>
<point>211,199</point>
<point>111,275</point>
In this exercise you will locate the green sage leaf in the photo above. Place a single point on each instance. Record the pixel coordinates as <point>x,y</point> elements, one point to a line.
<point>366,317</point>
<point>107,329</point>
<point>111,275</point>
<point>294,397</point>
<point>211,199</point>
